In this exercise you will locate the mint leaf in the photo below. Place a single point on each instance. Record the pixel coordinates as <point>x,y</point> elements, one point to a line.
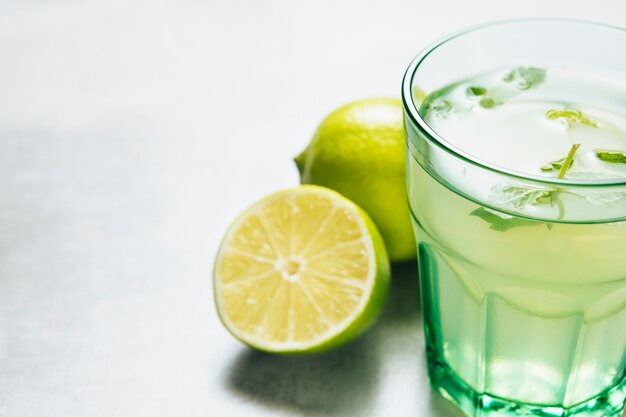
<point>521,78</point>
<point>614,157</point>
<point>474,91</point>
<point>525,78</point>
<point>570,117</point>
<point>501,222</point>
<point>513,197</point>
<point>555,165</point>
<point>488,103</point>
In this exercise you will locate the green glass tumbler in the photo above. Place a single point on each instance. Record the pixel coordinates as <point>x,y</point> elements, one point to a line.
<point>509,331</point>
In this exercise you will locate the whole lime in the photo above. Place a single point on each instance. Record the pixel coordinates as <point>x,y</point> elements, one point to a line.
<point>358,150</point>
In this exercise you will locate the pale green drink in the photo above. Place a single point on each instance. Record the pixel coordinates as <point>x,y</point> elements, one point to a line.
<point>524,279</point>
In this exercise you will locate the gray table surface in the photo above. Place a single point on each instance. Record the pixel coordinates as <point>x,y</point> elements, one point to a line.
<point>131,134</point>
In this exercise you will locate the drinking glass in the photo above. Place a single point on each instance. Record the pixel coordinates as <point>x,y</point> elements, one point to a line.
<point>524,313</point>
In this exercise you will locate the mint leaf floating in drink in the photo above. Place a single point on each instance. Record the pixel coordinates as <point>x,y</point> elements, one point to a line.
<point>488,103</point>
<point>473,91</point>
<point>524,78</point>
<point>513,84</point>
<point>501,222</point>
<point>570,117</point>
<point>515,197</point>
<point>614,157</point>
<point>568,160</point>
<point>560,164</point>
<point>555,165</point>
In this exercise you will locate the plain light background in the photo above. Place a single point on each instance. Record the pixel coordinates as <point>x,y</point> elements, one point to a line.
<point>131,134</point>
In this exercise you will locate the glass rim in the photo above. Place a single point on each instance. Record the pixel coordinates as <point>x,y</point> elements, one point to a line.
<point>432,136</point>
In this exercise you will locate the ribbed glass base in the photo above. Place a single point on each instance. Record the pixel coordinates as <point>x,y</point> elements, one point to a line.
<point>610,403</point>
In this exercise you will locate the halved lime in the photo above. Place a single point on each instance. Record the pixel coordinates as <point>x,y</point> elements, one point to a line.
<point>302,270</point>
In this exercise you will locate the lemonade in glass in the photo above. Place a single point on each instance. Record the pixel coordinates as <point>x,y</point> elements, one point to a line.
<point>516,180</point>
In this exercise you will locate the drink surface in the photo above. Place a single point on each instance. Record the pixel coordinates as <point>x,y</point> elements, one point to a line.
<point>526,310</point>
<point>527,119</point>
